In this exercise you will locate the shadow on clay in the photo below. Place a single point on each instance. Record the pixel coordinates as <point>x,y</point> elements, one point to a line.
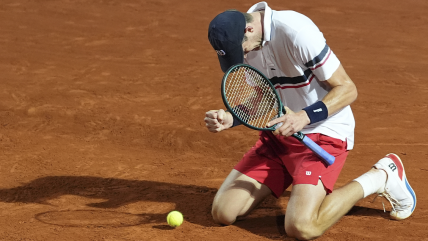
<point>193,201</point>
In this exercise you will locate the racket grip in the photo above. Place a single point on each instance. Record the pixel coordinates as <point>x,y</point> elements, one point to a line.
<point>325,156</point>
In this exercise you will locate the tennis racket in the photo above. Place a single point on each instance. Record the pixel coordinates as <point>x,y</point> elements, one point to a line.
<point>251,98</point>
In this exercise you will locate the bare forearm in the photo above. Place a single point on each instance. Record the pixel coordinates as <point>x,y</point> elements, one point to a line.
<point>343,91</point>
<point>340,97</point>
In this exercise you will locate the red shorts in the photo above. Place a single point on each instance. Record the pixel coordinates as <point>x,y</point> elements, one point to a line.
<point>278,162</point>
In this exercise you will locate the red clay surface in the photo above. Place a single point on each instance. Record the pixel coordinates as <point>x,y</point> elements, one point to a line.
<point>102,107</point>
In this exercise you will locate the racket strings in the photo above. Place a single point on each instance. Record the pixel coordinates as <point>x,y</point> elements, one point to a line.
<point>251,97</point>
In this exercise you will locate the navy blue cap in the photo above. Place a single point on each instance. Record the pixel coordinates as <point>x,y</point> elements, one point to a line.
<point>225,33</point>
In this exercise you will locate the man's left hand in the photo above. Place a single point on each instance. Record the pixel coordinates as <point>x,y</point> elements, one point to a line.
<point>292,122</point>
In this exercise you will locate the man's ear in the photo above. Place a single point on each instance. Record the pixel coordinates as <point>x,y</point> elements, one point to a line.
<point>249,28</point>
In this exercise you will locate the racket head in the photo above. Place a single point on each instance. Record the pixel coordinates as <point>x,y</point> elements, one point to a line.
<point>250,97</point>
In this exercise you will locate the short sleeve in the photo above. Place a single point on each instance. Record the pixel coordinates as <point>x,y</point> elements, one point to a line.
<point>312,51</point>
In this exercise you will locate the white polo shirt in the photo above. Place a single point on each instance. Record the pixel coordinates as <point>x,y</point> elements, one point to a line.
<point>297,60</point>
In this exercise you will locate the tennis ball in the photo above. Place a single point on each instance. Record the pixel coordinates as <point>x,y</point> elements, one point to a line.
<point>174,218</point>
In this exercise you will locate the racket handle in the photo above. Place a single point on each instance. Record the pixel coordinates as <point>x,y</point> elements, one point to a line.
<point>325,156</point>
<point>308,142</point>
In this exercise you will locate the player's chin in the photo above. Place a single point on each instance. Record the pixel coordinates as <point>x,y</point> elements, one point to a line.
<point>257,48</point>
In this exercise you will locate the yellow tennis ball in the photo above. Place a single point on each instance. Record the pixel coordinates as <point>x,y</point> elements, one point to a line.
<point>174,218</point>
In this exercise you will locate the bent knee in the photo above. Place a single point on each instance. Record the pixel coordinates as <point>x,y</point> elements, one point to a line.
<point>223,217</point>
<point>302,230</point>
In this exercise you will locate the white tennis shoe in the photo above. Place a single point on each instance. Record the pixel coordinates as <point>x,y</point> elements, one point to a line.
<point>397,189</point>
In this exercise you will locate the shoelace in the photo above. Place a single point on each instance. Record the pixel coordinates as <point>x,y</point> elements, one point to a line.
<point>388,197</point>
<point>396,205</point>
<point>383,205</point>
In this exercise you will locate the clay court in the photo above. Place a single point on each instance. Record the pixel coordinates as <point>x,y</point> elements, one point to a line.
<point>102,107</point>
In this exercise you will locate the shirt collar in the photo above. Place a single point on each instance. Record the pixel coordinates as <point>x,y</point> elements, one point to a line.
<point>263,6</point>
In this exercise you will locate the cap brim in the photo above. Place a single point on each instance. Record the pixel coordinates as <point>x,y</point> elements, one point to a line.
<point>233,56</point>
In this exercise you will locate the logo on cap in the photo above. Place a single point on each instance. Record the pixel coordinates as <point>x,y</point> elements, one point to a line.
<point>221,52</point>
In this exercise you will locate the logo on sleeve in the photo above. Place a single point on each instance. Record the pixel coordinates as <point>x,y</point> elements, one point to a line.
<point>318,110</point>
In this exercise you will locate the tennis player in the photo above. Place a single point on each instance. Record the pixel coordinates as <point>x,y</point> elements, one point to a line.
<point>317,92</point>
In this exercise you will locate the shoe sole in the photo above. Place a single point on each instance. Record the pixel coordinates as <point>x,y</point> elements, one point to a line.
<point>396,159</point>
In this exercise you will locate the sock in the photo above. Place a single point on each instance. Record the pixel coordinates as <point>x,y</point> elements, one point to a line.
<point>372,181</point>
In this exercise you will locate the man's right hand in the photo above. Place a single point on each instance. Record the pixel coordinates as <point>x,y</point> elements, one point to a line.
<point>218,120</point>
